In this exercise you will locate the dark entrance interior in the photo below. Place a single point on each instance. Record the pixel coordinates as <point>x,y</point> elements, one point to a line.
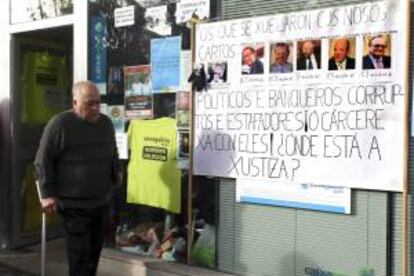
<point>41,79</point>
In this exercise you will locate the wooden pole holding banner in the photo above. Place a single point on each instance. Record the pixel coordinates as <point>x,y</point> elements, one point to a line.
<point>405,244</point>
<point>190,219</point>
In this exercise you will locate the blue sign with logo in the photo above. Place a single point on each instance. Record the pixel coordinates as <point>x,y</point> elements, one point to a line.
<point>98,50</point>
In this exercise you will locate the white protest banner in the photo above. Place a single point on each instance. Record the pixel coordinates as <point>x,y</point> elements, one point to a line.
<point>307,97</point>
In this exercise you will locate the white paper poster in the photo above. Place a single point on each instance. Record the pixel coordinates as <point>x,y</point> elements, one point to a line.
<point>122,145</point>
<point>124,16</point>
<point>188,8</point>
<point>305,196</point>
<point>117,115</point>
<point>185,70</point>
<point>308,97</point>
<point>156,20</point>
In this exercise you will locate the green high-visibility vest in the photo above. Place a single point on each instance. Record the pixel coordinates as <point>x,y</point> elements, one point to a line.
<point>153,177</point>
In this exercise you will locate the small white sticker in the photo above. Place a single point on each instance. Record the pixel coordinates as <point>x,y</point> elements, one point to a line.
<point>124,16</point>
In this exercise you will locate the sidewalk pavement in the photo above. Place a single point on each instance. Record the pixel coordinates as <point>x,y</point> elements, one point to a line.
<point>26,262</point>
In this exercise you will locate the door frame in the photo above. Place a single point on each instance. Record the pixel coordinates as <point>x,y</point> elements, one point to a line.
<point>10,47</point>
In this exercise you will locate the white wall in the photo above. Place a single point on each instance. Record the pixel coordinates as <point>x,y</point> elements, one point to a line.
<point>4,52</point>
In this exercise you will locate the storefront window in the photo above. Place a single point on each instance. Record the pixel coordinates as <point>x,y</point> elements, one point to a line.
<point>32,10</point>
<point>139,57</point>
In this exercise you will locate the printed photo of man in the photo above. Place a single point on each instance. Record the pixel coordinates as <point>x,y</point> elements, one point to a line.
<point>217,72</point>
<point>184,144</point>
<point>251,64</point>
<point>280,58</point>
<point>342,54</point>
<point>378,52</point>
<point>309,55</point>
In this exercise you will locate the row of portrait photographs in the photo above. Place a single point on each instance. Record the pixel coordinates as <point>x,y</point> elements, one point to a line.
<point>286,57</point>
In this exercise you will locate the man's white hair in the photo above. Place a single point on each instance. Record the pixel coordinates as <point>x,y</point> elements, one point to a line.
<point>81,87</point>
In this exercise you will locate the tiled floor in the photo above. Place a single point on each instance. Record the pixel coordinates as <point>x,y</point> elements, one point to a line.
<point>11,271</point>
<point>27,263</point>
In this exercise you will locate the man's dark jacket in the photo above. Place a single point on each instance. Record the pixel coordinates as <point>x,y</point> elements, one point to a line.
<point>256,67</point>
<point>350,64</point>
<point>301,62</point>
<point>367,62</point>
<point>77,161</point>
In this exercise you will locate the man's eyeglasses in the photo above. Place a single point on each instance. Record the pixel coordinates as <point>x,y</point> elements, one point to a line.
<point>380,46</point>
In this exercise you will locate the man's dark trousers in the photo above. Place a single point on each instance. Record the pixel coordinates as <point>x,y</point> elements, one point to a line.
<point>85,230</point>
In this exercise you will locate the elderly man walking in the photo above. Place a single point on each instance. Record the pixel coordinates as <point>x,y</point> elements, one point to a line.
<point>76,165</point>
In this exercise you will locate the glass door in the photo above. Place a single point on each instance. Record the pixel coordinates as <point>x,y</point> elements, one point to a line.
<point>41,80</point>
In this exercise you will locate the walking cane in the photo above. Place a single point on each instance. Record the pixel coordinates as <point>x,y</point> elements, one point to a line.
<point>43,238</point>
